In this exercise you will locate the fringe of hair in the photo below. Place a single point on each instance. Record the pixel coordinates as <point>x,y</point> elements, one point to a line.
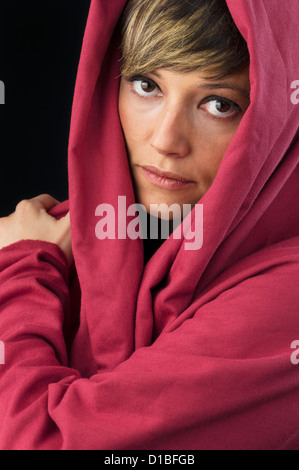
<point>181,35</point>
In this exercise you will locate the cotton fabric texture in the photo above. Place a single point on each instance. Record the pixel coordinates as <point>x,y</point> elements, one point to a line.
<point>193,350</point>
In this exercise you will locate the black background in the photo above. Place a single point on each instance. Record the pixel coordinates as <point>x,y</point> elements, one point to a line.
<point>40,45</point>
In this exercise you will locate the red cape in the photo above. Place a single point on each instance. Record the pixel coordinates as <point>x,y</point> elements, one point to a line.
<point>194,351</point>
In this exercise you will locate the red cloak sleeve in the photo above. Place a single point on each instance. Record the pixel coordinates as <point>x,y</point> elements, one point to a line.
<point>220,380</point>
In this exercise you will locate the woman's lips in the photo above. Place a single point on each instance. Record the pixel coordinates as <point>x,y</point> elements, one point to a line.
<point>165,179</point>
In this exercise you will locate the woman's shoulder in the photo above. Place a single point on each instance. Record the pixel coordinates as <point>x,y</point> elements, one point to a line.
<point>279,258</point>
<point>269,275</point>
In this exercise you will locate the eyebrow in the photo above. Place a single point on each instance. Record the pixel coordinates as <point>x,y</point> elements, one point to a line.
<point>228,86</point>
<point>218,85</point>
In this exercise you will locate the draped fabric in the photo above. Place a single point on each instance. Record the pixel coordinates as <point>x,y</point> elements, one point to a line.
<point>193,349</point>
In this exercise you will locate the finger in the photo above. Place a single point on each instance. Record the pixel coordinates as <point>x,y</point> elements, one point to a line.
<point>66,219</point>
<point>3,221</point>
<point>45,201</point>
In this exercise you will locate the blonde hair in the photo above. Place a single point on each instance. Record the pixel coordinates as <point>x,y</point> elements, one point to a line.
<point>181,35</point>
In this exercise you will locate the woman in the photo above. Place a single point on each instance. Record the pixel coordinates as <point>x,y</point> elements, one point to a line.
<point>187,349</point>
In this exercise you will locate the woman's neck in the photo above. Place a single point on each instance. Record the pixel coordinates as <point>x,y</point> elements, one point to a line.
<point>158,231</point>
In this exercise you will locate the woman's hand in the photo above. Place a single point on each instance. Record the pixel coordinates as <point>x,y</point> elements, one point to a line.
<point>31,221</point>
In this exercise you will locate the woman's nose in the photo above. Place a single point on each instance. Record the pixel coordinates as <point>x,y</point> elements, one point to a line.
<point>170,134</point>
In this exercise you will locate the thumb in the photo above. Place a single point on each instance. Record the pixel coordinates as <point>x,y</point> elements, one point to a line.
<point>45,201</point>
<point>67,218</point>
<point>65,241</point>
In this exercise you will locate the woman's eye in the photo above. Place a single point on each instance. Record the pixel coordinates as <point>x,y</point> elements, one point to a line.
<point>145,88</point>
<point>221,108</point>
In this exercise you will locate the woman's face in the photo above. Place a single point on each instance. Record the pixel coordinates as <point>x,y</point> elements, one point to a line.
<point>177,128</point>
